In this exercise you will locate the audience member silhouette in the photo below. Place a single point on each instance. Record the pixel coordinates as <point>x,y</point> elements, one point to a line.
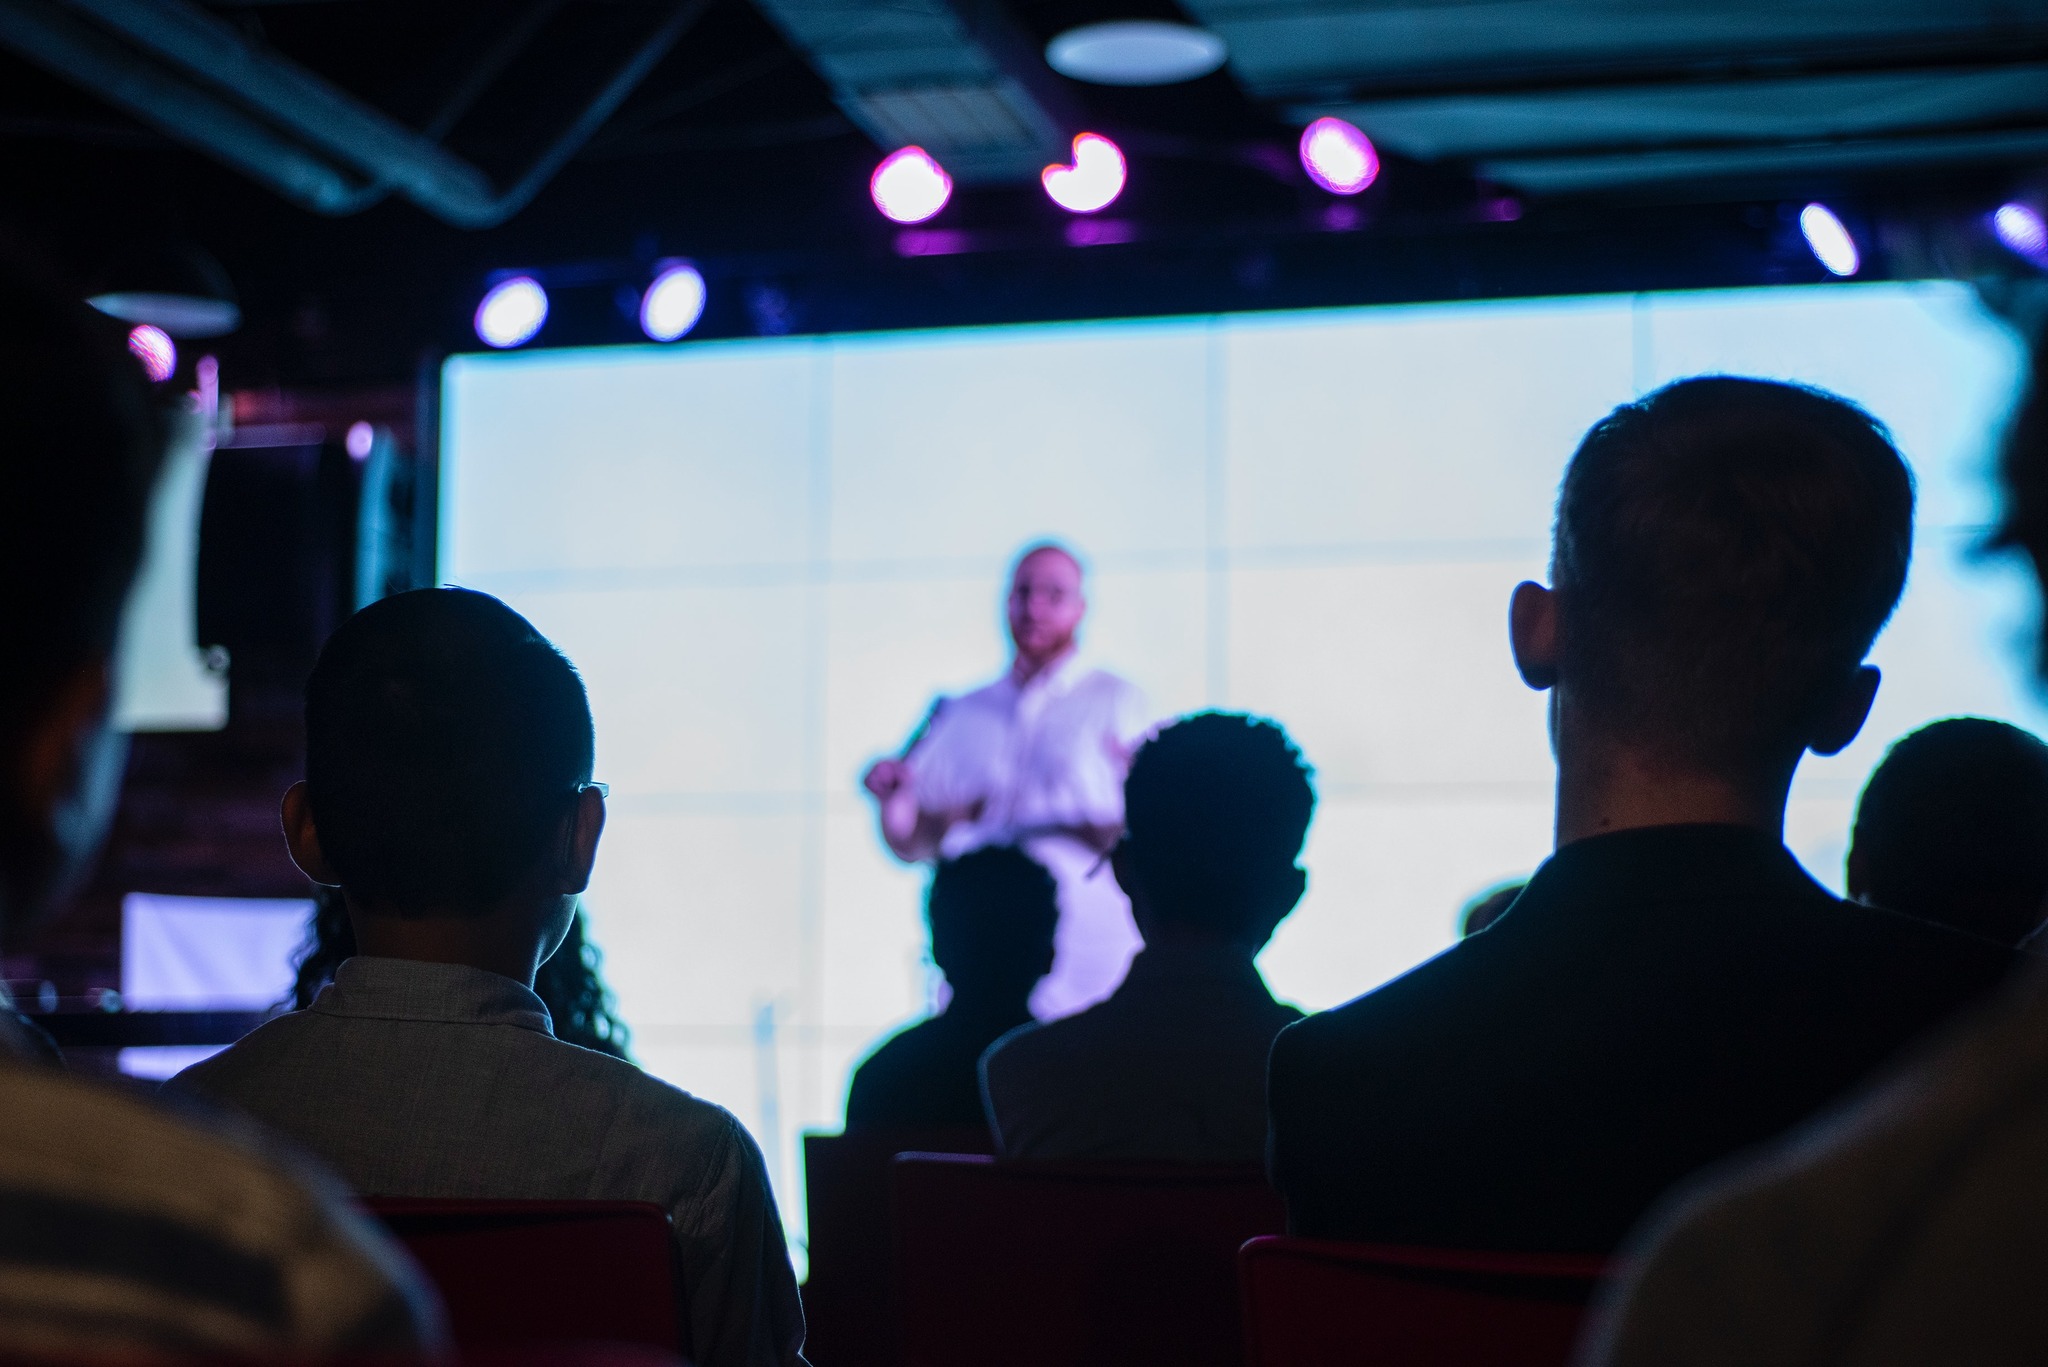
<point>1909,1227</point>
<point>448,794</point>
<point>1173,1066</point>
<point>581,1009</point>
<point>130,1233</point>
<point>1953,827</point>
<point>992,914</point>
<point>1671,986</point>
<point>1488,907</point>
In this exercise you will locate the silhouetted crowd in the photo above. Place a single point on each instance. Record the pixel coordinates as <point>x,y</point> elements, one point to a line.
<point>1816,1127</point>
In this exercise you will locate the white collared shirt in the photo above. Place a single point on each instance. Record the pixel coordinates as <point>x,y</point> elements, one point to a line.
<point>1049,754</point>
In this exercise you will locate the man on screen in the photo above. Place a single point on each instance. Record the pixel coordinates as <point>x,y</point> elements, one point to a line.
<point>1037,759</point>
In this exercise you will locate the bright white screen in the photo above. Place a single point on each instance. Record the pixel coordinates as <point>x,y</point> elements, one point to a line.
<point>766,556</point>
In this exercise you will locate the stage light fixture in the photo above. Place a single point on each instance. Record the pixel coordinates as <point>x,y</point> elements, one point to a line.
<point>1135,52</point>
<point>2021,228</point>
<point>673,303</point>
<point>910,186</point>
<point>361,440</point>
<point>511,313</point>
<point>1829,241</point>
<point>1338,156</point>
<point>172,286</point>
<point>1092,181</point>
<point>152,346</point>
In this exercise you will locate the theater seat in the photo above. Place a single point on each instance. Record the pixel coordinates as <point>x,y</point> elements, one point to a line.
<point>1023,1265</point>
<point>1314,1304</point>
<point>539,1272</point>
<point>849,1305</point>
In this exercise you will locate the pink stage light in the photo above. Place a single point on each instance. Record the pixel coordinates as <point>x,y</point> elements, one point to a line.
<point>1338,156</point>
<point>362,439</point>
<point>910,186</point>
<point>154,348</point>
<point>1093,181</point>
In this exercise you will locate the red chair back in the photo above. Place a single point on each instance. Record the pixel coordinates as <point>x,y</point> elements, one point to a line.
<point>1314,1304</point>
<point>1023,1265</point>
<point>528,1272</point>
<point>849,1297</point>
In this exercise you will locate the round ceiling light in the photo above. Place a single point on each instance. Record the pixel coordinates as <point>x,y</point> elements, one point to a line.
<point>511,312</point>
<point>1135,52</point>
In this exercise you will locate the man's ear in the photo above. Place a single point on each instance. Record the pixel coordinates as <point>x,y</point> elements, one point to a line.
<point>1845,712</point>
<point>579,843</point>
<point>1856,872</point>
<point>52,758</point>
<point>63,779</point>
<point>1532,634</point>
<point>1291,891</point>
<point>303,840</point>
<point>1283,895</point>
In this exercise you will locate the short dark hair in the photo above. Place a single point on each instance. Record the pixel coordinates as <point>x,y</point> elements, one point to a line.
<point>445,741</point>
<point>1212,803</point>
<point>1726,551</point>
<point>1953,827</point>
<point>992,914</point>
<point>85,440</point>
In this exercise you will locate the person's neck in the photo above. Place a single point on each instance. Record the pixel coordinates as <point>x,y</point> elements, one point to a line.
<point>1604,786</point>
<point>1024,668</point>
<point>994,1006</point>
<point>1171,938</point>
<point>494,941</point>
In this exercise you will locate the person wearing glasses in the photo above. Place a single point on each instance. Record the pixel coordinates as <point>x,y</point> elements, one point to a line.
<point>448,795</point>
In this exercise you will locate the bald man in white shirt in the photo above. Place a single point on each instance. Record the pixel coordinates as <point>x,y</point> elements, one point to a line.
<point>1037,758</point>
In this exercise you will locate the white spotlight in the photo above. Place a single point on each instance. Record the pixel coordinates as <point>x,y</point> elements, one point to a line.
<point>1831,243</point>
<point>910,186</point>
<point>512,311</point>
<point>673,303</point>
<point>1093,181</point>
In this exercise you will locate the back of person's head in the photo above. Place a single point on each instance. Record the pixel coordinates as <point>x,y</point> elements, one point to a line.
<point>1726,551</point>
<point>1215,811</point>
<point>1953,827</point>
<point>446,740</point>
<point>992,914</point>
<point>84,440</point>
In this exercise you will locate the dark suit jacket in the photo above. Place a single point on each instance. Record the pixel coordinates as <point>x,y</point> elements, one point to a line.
<point>1654,1000</point>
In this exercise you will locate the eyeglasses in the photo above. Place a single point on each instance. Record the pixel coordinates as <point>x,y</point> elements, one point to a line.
<point>601,789</point>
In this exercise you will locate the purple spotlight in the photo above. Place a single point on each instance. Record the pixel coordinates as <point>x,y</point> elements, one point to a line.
<point>511,312</point>
<point>673,303</point>
<point>910,186</point>
<point>1092,180</point>
<point>1338,156</point>
<point>1829,240</point>
<point>152,346</point>
<point>2021,228</point>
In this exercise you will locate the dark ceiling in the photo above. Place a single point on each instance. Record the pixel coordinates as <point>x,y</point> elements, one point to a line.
<point>1530,146</point>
